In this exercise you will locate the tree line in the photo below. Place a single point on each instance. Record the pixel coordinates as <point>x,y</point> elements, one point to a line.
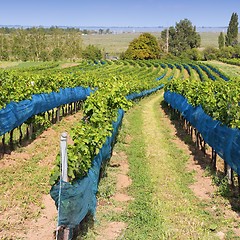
<point>44,44</point>
<point>55,43</point>
<point>183,41</point>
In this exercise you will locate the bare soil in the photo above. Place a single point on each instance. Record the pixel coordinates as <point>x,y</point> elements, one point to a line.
<point>18,224</point>
<point>111,230</point>
<point>203,187</point>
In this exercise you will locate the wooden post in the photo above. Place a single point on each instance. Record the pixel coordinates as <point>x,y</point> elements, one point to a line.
<point>11,140</point>
<point>30,130</point>
<point>58,114</point>
<point>191,132</point>
<point>197,139</point>
<point>21,134</point>
<point>167,40</point>
<point>49,116</point>
<point>75,107</point>
<point>214,160</point>
<point>69,109</point>
<point>52,115</point>
<point>204,148</point>
<point>3,144</point>
<point>71,106</point>
<point>238,185</point>
<point>225,168</point>
<point>62,233</point>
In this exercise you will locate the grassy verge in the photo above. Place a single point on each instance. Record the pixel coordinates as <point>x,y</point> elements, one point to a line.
<point>164,206</point>
<point>230,70</point>
<point>144,222</point>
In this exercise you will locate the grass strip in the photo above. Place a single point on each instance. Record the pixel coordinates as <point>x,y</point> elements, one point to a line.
<point>144,222</point>
<point>164,206</point>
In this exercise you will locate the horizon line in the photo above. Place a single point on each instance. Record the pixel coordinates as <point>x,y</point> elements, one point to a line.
<point>92,26</point>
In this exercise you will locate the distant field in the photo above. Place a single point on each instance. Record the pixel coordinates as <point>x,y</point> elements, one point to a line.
<point>118,43</point>
<point>209,39</point>
<point>230,70</point>
<point>111,43</point>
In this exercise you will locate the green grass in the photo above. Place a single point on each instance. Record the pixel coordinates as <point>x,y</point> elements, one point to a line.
<point>209,39</point>
<point>118,43</point>
<point>164,207</point>
<point>6,64</point>
<point>230,70</point>
<point>114,44</point>
<point>143,219</point>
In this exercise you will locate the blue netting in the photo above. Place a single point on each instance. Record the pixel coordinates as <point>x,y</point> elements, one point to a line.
<point>225,141</point>
<point>225,78</point>
<point>14,114</point>
<point>161,77</point>
<point>79,198</point>
<point>204,68</point>
<point>144,93</point>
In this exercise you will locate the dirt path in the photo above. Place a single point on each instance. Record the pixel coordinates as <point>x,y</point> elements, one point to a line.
<point>27,210</point>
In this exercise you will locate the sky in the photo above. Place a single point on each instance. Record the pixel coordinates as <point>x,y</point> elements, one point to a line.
<point>120,13</point>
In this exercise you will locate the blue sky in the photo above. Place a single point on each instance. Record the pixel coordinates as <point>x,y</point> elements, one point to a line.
<point>117,12</point>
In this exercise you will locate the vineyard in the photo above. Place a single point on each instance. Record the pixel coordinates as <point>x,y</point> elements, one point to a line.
<point>34,98</point>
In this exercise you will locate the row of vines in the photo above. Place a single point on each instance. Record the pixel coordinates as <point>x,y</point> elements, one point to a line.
<point>111,82</point>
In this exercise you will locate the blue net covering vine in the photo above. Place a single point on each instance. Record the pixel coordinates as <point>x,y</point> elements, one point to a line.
<point>16,113</point>
<point>224,140</point>
<point>79,198</point>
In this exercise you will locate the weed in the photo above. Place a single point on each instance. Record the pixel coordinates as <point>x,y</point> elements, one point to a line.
<point>221,181</point>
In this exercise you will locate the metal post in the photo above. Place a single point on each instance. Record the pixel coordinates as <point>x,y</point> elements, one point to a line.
<point>62,232</point>
<point>63,145</point>
<point>229,175</point>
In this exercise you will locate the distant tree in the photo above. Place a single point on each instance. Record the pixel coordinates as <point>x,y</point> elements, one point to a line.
<point>4,48</point>
<point>37,43</point>
<point>57,54</point>
<point>4,55</point>
<point>92,52</point>
<point>226,52</point>
<point>194,54</point>
<point>100,31</point>
<point>182,37</point>
<point>210,53</point>
<point>107,31</point>
<point>145,46</point>
<point>85,31</point>
<point>44,56</point>
<point>221,41</point>
<point>232,31</point>
<point>236,52</point>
